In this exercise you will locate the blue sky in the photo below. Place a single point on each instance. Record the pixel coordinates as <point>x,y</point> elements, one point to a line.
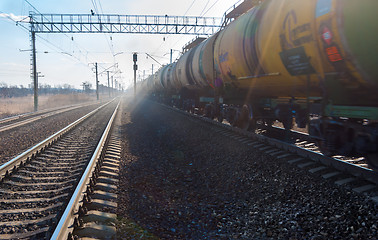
<point>55,51</point>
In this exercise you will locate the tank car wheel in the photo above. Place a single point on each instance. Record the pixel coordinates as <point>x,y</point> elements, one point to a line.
<point>372,160</point>
<point>328,145</point>
<point>246,119</point>
<point>243,124</point>
<point>242,118</point>
<point>220,118</point>
<point>252,125</point>
<point>209,111</point>
<point>323,148</point>
<point>268,122</point>
<point>231,116</point>
<point>288,123</point>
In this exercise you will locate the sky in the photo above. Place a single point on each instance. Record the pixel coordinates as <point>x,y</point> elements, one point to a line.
<point>68,58</point>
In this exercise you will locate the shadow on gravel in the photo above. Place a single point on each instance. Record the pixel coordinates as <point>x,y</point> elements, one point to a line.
<point>163,190</point>
<point>178,180</point>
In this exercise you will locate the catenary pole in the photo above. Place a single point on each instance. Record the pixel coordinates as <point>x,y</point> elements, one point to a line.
<point>135,58</point>
<point>108,83</point>
<point>35,74</point>
<point>97,82</point>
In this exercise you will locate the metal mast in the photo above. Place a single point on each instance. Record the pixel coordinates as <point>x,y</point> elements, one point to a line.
<point>34,65</point>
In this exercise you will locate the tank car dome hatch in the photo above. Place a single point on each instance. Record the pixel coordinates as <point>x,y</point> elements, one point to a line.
<point>195,42</point>
<point>238,9</point>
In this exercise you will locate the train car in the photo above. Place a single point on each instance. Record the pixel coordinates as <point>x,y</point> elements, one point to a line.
<point>157,80</point>
<point>195,71</point>
<point>287,59</point>
<point>312,61</point>
<point>168,78</point>
<point>203,63</point>
<point>348,50</point>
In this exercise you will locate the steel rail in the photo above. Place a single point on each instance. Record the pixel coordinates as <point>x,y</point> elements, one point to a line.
<point>355,170</point>
<point>65,225</point>
<point>35,150</point>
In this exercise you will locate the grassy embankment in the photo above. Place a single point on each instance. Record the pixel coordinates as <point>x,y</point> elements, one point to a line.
<point>15,106</point>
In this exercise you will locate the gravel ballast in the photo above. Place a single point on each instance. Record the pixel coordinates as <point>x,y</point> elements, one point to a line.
<point>181,180</point>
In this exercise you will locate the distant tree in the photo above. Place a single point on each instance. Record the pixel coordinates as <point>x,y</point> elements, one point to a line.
<point>67,86</point>
<point>87,87</point>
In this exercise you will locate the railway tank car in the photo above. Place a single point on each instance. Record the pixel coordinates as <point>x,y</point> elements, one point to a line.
<point>312,61</point>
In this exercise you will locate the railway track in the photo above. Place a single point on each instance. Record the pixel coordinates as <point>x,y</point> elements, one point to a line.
<point>91,211</point>
<point>23,119</point>
<point>37,185</point>
<point>303,140</point>
<point>300,151</point>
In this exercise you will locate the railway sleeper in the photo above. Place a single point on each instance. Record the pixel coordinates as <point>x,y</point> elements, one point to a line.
<point>97,214</point>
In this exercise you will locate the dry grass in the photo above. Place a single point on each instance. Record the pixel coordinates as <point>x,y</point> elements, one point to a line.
<point>15,106</point>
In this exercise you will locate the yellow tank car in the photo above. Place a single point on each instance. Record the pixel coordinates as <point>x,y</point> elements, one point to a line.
<point>271,50</point>
<point>287,47</point>
<point>235,51</point>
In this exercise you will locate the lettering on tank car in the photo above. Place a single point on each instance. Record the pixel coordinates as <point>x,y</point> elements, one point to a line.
<point>302,40</point>
<point>297,40</point>
<point>296,61</point>
<point>294,38</point>
<point>290,16</point>
<point>300,29</point>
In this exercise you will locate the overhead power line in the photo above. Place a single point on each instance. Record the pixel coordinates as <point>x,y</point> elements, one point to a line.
<point>101,11</point>
<point>204,8</point>
<point>210,7</point>
<point>191,5</point>
<point>81,49</point>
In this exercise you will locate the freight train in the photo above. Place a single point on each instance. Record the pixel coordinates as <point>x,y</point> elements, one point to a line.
<point>309,62</point>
